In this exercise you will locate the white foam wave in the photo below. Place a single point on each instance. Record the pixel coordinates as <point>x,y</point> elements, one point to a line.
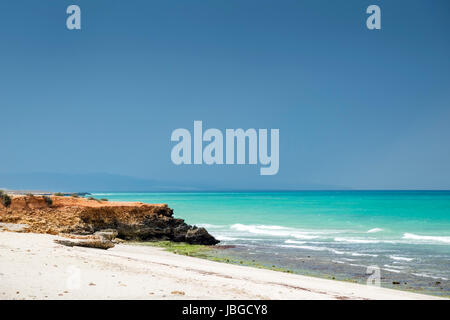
<point>411,236</point>
<point>314,248</point>
<point>277,231</point>
<point>424,275</point>
<point>392,270</point>
<point>357,265</point>
<point>395,267</point>
<point>210,226</point>
<point>295,242</point>
<point>272,227</point>
<point>225,238</point>
<point>337,261</point>
<point>348,259</point>
<point>303,236</point>
<point>401,258</point>
<point>298,245</point>
<point>357,254</point>
<point>353,240</point>
<point>375,230</point>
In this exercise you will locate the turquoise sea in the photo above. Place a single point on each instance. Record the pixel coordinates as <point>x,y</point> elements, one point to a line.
<point>328,233</point>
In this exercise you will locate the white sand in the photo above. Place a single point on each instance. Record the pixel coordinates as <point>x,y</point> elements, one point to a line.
<point>33,267</point>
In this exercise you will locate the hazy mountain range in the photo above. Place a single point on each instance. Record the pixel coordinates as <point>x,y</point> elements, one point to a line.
<point>97,182</point>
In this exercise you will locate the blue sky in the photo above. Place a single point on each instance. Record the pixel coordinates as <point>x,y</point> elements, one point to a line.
<point>355,108</point>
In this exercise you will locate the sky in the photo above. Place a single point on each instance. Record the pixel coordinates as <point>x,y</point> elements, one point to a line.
<point>356,108</point>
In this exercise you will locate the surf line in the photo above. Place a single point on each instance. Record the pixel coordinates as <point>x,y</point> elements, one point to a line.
<point>235,147</point>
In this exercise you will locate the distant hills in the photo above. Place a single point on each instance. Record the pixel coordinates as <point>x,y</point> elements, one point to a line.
<point>104,182</point>
<point>60,182</point>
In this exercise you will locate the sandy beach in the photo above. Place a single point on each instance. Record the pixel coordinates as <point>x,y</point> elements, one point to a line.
<point>32,266</point>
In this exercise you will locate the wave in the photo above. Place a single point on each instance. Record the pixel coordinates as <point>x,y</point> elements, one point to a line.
<point>398,258</point>
<point>375,230</point>
<point>352,240</point>
<point>271,227</point>
<point>392,270</point>
<point>303,236</point>
<point>337,261</point>
<point>225,238</point>
<point>295,242</point>
<point>348,259</point>
<point>424,275</point>
<point>357,265</point>
<point>394,267</point>
<point>314,248</point>
<point>357,254</point>
<point>277,231</point>
<point>411,236</point>
<point>210,226</point>
<point>350,264</point>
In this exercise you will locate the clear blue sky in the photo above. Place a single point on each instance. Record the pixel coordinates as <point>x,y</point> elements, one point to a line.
<point>355,108</point>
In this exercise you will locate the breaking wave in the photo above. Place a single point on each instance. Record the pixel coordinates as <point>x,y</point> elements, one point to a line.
<point>375,230</point>
<point>352,240</point>
<point>276,231</point>
<point>441,239</point>
<point>398,258</point>
<point>314,248</point>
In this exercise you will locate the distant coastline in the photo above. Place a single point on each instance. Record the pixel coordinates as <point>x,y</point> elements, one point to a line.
<point>42,193</point>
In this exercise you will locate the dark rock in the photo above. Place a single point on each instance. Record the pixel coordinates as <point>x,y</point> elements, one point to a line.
<point>200,236</point>
<point>160,228</point>
<point>179,233</point>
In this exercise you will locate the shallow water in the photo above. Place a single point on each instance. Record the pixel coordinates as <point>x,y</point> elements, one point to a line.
<point>406,234</point>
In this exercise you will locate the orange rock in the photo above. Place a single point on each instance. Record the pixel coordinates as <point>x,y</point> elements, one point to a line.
<point>131,220</point>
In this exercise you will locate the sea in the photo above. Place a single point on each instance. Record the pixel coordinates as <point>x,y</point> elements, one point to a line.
<point>400,237</point>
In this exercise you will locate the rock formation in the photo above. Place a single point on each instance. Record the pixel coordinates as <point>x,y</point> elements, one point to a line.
<point>89,243</point>
<point>106,220</point>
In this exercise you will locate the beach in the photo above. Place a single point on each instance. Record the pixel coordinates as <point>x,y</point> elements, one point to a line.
<point>327,234</point>
<point>32,266</point>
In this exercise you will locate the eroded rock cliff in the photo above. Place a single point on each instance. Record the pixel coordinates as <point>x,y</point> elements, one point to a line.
<point>72,215</point>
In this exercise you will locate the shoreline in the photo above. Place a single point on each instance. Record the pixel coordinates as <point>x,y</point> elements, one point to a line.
<point>227,254</point>
<point>34,267</point>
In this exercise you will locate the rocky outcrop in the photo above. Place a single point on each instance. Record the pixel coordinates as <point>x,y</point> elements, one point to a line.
<point>89,243</point>
<point>125,220</point>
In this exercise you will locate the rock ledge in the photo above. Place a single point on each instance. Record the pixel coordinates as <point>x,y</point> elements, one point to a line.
<point>126,220</point>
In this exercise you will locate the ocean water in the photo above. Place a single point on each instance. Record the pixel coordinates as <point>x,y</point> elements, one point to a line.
<point>406,234</point>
